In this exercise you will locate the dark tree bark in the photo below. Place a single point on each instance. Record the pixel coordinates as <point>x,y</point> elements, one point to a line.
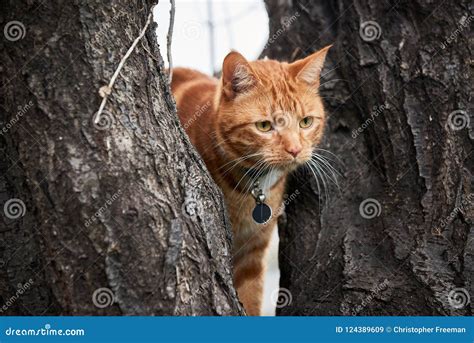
<point>121,210</point>
<point>412,156</point>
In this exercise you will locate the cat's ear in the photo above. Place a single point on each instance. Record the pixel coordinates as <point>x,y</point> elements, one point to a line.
<point>237,75</point>
<point>309,69</point>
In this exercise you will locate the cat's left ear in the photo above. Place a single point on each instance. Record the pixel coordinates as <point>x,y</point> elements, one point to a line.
<point>309,69</point>
<point>237,75</point>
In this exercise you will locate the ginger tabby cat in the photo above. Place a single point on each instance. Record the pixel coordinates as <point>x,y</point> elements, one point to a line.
<point>259,122</point>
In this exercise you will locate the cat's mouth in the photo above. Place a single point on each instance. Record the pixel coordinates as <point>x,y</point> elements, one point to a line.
<point>290,166</point>
<point>286,165</point>
<point>290,163</point>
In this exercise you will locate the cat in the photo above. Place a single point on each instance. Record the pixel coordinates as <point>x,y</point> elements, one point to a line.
<point>258,122</point>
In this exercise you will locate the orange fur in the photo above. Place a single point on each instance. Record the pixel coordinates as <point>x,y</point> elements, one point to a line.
<point>220,115</point>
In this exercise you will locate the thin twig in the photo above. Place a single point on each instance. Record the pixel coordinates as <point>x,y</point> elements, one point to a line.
<point>105,91</point>
<point>210,23</point>
<point>169,38</point>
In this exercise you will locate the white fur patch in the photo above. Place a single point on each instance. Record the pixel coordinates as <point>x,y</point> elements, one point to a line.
<point>269,180</point>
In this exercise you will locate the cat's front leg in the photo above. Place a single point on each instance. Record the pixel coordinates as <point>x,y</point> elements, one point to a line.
<point>250,245</point>
<point>249,273</point>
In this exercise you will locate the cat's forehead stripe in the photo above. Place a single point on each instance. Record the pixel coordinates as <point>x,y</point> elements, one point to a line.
<point>285,97</point>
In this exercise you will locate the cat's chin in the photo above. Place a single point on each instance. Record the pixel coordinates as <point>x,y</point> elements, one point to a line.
<point>289,166</point>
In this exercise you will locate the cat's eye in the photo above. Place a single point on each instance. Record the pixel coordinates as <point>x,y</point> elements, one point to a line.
<point>306,122</point>
<point>263,126</point>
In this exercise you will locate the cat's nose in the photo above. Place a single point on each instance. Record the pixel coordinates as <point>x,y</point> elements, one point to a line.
<point>294,151</point>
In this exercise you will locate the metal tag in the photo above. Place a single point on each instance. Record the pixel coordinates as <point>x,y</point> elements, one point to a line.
<point>261,213</point>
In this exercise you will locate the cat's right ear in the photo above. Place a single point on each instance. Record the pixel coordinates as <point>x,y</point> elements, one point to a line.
<point>237,75</point>
<point>309,69</point>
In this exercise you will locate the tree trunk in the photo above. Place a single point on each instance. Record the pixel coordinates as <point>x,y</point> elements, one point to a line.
<point>118,217</point>
<point>397,238</point>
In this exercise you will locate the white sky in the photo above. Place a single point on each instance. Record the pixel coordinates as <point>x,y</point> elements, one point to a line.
<point>241,25</point>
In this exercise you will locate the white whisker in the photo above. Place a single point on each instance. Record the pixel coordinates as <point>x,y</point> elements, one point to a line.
<point>236,162</point>
<point>325,164</point>
<point>322,175</point>
<point>316,178</point>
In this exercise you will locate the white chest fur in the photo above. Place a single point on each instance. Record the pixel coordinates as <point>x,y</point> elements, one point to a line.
<point>269,180</point>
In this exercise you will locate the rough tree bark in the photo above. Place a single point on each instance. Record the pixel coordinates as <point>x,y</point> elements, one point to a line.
<point>121,210</point>
<point>412,155</point>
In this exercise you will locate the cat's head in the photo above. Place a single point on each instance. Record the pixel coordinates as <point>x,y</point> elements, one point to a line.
<point>270,112</point>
